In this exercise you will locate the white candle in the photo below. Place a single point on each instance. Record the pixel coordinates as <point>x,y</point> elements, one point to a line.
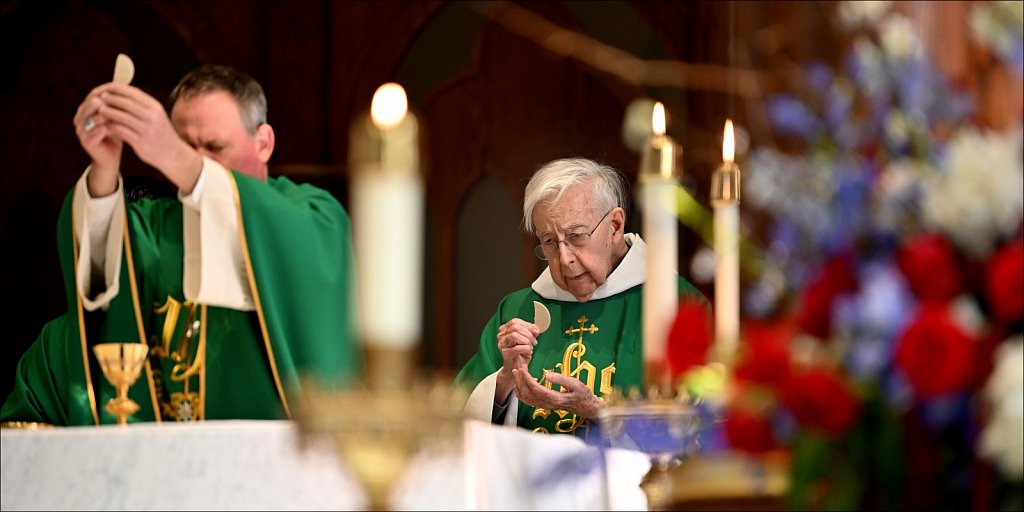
<point>658,179</point>
<point>725,197</point>
<point>387,212</point>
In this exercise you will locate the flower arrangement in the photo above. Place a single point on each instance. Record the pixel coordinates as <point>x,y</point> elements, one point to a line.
<point>883,332</point>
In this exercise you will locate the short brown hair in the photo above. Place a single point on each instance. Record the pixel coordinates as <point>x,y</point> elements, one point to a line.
<point>252,103</point>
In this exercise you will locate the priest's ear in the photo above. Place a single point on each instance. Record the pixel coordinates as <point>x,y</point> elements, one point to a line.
<point>617,218</point>
<point>264,142</point>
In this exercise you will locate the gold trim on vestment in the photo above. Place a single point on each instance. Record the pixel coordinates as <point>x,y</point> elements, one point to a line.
<point>250,273</point>
<point>138,315</point>
<point>81,319</point>
<point>202,372</point>
<point>188,362</point>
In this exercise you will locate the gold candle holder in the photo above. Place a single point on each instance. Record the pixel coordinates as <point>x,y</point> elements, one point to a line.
<point>121,363</point>
<point>377,430</point>
<point>725,184</point>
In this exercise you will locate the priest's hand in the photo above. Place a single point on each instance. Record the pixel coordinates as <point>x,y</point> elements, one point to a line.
<point>516,340</point>
<point>575,396</point>
<point>99,142</point>
<point>138,119</point>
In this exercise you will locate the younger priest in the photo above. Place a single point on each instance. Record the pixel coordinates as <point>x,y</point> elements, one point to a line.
<point>238,285</point>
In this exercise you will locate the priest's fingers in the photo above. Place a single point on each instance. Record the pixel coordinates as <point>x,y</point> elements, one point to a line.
<point>141,121</point>
<point>515,350</point>
<point>129,99</point>
<point>95,137</point>
<point>93,131</point>
<point>519,325</point>
<point>514,334</point>
<point>528,390</point>
<point>87,117</point>
<point>89,105</point>
<point>571,384</point>
<point>576,396</point>
<point>516,356</point>
<point>133,108</point>
<point>534,393</point>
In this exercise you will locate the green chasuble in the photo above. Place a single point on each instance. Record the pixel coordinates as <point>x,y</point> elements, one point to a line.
<point>205,362</point>
<point>599,342</point>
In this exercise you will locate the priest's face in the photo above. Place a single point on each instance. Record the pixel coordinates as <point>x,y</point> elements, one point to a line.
<point>211,122</point>
<point>580,268</point>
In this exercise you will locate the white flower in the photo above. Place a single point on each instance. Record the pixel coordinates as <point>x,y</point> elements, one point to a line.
<point>979,197</point>
<point>895,193</point>
<point>899,178</point>
<point>967,315</point>
<point>770,173</point>
<point>1002,438</point>
<point>862,14</point>
<point>998,25</point>
<point>899,38</point>
<point>872,75</point>
<point>897,128</point>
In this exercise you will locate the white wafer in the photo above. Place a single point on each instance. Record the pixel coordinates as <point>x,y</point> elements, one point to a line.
<point>541,316</point>
<point>124,69</point>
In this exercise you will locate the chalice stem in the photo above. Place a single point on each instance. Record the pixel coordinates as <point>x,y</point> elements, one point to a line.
<point>122,395</point>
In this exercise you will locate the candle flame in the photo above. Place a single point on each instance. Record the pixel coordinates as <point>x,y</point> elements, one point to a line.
<point>729,143</point>
<point>389,106</point>
<point>658,119</point>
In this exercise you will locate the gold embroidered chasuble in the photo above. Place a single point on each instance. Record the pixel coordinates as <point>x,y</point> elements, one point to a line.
<point>235,364</point>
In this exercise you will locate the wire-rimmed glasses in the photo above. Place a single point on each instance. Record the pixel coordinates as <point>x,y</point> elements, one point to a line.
<point>549,248</point>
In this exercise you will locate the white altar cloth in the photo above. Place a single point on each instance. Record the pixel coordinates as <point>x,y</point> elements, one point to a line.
<point>236,465</point>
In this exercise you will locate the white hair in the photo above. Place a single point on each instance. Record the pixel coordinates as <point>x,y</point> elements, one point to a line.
<point>554,178</point>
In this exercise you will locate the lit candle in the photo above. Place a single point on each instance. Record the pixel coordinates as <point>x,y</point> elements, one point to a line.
<point>658,180</point>
<point>725,198</point>
<point>387,212</point>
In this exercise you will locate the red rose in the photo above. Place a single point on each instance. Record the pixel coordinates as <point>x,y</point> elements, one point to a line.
<point>689,337</point>
<point>815,313</point>
<point>821,399</point>
<point>930,266</point>
<point>747,427</point>
<point>766,357</point>
<point>937,356</point>
<point>984,360</point>
<point>1005,282</point>
<point>748,431</point>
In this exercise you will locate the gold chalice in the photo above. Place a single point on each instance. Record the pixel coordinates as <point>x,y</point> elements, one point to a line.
<point>121,364</point>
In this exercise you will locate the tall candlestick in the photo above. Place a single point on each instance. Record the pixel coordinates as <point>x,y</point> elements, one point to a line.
<point>658,180</point>
<point>725,198</point>
<point>387,212</point>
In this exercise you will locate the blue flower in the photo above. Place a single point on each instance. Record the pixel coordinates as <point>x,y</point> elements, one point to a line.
<point>792,116</point>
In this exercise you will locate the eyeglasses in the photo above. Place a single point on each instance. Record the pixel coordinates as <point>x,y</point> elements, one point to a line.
<point>549,248</point>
